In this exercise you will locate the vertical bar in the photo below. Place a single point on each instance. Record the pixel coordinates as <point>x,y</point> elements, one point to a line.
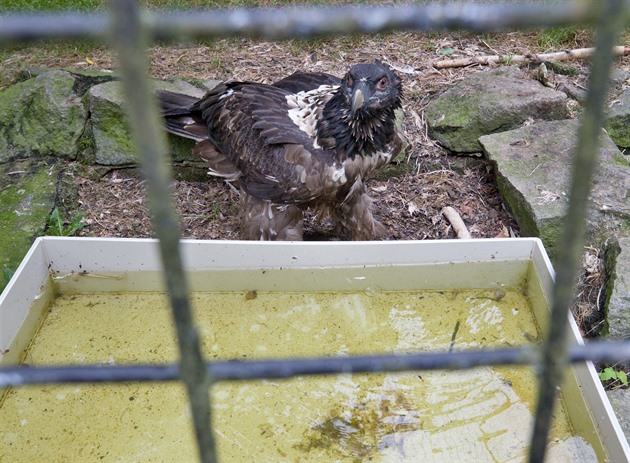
<point>130,43</point>
<point>555,349</point>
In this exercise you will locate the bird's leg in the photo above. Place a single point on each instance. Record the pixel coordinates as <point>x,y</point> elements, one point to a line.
<point>353,216</point>
<point>265,221</point>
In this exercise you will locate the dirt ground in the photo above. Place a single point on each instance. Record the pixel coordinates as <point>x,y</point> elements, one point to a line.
<point>409,202</point>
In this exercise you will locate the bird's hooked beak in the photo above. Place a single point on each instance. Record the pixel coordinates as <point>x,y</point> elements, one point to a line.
<point>359,96</point>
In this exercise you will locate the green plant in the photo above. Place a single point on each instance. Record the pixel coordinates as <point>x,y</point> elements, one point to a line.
<point>557,37</point>
<point>57,226</point>
<point>612,375</point>
<point>216,213</point>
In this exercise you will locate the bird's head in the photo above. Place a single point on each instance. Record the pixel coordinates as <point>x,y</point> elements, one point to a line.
<point>370,88</point>
<point>359,119</point>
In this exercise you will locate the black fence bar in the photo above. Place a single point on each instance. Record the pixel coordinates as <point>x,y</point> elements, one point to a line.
<point>307,21</point>
<point>555,352</point>
<point>288,368</point>
<point>131,43</point>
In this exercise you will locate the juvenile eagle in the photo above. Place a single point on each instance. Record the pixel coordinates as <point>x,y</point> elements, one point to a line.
<point>308,141</point>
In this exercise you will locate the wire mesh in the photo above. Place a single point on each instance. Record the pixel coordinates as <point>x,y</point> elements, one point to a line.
<point>128,28</point>
<point>289,368</point>
<point>307,21</point>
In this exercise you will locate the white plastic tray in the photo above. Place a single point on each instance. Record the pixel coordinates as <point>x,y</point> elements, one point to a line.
<point>101,264</point>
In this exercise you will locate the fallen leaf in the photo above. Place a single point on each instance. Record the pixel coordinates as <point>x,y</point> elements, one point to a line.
<point>504,233</point>
<point>412,207</point>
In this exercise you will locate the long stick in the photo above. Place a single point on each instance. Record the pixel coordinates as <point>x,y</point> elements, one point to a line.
<point>534,57</point>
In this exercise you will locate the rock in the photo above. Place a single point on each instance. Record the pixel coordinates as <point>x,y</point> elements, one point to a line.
<point>533,170</point>
<point>27,194</point>
<point>620,401</point>
<point>619,77</point>
<point>618,120</point>
<point>42,116</point>
<point>203,84</point>
<point>490,102</point>
<point>617,307</point>
<point>108,132</point>
<point>573,91</point>
<point>84,78</point>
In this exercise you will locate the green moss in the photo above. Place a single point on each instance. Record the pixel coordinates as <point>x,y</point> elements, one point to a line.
<point>86,148</point>
<point>548,230</point>
<point>622,160</point>
<point>618,129</point>
<point>108,132</point>
<point>26,199</point>
<point>114,126</point>
<point>41,116</point>
<point>518,205</point>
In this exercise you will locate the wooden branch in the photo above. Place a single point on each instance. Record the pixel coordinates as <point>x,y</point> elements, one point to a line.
<point>513,59</point>
<point>456,221</point>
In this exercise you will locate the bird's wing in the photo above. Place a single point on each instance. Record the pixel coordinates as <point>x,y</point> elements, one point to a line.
<point>251,124</point>
<point>306,81</point>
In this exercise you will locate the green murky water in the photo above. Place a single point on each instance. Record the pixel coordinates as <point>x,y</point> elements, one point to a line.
<point>480,415</point>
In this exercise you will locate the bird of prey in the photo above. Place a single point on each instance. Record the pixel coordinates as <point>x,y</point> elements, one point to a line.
<point>309,141</point>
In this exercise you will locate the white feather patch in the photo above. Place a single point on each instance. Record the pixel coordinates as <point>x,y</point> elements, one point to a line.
<point>338,174</point>
<point>304,106</point>
<point>226,94</point>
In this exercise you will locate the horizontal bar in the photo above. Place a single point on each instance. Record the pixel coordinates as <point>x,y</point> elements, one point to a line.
<point>287,368</point>
<point>306,21</point>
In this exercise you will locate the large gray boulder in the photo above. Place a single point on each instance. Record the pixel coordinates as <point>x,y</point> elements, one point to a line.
<point>490,102</point>
<point>618,120</point>
<point>43,116</point>
<point>108,129</point>
<point>618,290</point>
<point>620,401</point>
<point>533,170</point>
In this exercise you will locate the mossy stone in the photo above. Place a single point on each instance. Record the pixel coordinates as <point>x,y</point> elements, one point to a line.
<point>27,194</point>
<point>617,292</point>
<point>41,116</point>
<point>490,102</point>
<point>109,132</point>
<point>618,121</point>
<point>533,170</point>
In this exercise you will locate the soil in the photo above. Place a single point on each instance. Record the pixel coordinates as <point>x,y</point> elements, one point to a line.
<point>408,202</point>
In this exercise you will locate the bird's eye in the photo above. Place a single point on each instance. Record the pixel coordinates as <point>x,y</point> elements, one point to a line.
<point>349,80</point>
<point>381,84</point>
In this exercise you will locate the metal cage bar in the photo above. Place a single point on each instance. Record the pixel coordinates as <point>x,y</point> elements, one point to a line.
<point>288,368</point>
<point>126,27</point>
<point>128,37</point>
<point>306,21</point>
<point>555,351</point>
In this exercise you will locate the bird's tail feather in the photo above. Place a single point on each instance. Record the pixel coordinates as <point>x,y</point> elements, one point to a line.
<point>175,104</point>
<point>181,118</point>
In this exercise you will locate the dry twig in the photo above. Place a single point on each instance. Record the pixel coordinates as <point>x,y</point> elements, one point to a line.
<point>514,59</point>
<point>456,221</point>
